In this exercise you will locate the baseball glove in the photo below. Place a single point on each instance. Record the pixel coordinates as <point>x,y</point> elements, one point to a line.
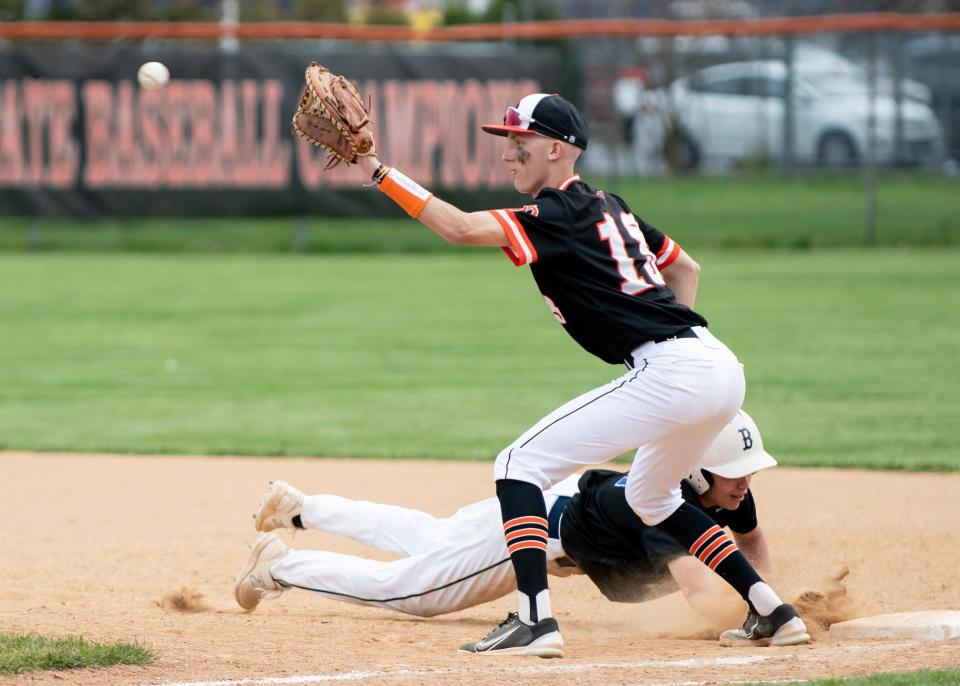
<point>332,116</point>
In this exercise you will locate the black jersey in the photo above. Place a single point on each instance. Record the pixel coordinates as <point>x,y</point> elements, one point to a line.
<point>624,557</point>
<point>598,267</point>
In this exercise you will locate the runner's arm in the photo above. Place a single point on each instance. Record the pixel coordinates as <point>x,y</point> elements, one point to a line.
<point>705,592</point>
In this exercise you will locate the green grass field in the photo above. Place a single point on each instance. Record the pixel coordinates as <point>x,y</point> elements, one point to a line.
<point>849,353</point>
<point>29,652</point>
<point>759,211</point>
<point>926,677</point>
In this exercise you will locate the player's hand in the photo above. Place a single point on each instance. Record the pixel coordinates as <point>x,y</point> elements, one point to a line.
<point>369,164</point>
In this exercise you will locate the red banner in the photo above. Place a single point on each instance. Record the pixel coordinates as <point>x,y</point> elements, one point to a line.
<point>104,138</point>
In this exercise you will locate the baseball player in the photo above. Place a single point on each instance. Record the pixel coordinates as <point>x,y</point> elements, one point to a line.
<point>460,561</point>
<point>624,291</point>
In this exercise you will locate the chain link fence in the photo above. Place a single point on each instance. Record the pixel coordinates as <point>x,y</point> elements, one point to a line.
<point>682,104</point>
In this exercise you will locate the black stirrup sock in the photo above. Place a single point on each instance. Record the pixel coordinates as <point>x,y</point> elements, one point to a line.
<point>525,528</point>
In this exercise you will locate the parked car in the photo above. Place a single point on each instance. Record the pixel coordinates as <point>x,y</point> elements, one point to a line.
<point>734,112</point>
<point>816,63</point>
<point>934,59</point>
<point>931,59</point>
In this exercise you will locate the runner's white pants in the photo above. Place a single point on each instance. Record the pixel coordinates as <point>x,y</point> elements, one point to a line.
<point>669,408</point>
<point>447,564</point>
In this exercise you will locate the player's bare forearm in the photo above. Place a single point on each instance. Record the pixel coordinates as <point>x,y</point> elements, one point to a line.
<point>754,546</point>
<point>704,591</point>
<point>450,222</point>
<point>465,228</point>
<point>683,278</point>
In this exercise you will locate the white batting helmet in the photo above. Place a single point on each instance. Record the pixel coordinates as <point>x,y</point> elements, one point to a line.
<point>736,452</point>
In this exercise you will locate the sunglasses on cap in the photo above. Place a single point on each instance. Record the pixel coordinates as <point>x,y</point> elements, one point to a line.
<point>515,117</point>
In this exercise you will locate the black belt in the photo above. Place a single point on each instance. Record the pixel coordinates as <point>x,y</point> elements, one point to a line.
<point>685,333</point>
<point>553,519</point>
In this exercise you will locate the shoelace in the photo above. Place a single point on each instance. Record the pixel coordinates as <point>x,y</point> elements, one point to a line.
<point>510,617</point>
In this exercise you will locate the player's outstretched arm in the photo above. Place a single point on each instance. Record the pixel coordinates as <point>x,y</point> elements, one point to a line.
<point>683,277</point>
<point>754,546</point>
<point>332,115</point>
<point>446,220</point>
<point>704,591</point>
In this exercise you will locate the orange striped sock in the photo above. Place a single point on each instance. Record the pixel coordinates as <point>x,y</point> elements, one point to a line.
<point>525,532</point>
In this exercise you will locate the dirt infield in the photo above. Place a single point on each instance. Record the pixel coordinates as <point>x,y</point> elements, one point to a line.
<point>114,547</point>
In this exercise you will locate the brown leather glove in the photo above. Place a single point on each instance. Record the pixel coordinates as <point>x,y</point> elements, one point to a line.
<point>332,116</point>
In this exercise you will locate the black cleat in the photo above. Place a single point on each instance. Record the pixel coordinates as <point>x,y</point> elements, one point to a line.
<point>782,627</point>
<point>513,637</point>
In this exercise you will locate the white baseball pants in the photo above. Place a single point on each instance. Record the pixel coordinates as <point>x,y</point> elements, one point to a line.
<point>669,408</point>
<point>446,564</point>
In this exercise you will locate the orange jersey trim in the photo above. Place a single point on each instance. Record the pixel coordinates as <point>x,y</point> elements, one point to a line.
<point>668,253</point>
<point>566,182</point>
<point>520,251</point>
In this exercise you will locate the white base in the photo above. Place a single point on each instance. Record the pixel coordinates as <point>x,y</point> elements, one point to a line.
<point>930,625</point>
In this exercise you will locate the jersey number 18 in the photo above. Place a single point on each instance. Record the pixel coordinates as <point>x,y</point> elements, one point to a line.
<point>639,273</point>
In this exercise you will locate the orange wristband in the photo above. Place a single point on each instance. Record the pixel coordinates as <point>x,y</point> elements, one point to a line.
<point>411,196</point>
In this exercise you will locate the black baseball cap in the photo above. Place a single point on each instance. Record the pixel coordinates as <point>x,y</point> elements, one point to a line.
<point>549,115</point>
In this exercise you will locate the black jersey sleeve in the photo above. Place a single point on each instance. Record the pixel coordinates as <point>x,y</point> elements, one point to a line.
<point>537,231</point>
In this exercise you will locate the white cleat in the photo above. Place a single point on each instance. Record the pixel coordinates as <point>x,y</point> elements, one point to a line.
<point>255,582</point>
<point>280,504</point>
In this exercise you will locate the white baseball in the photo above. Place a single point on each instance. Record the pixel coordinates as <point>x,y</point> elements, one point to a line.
<point>153,75</point>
